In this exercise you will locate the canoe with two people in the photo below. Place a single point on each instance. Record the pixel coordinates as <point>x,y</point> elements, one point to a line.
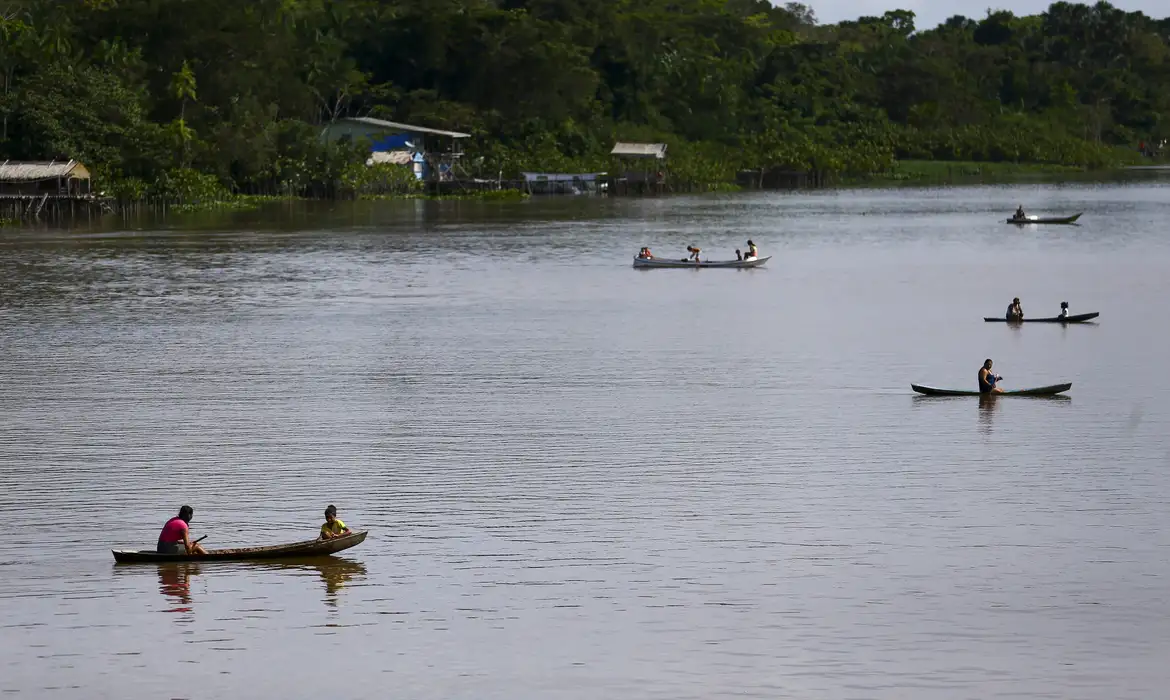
<point>645,254</point>
<point>752,252</point>
<point>1015,314</point>
<point>175,543</point>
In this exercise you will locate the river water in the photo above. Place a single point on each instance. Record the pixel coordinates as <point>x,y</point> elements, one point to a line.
<point>583,480</point>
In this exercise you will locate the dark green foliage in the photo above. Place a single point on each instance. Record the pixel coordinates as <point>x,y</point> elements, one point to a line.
<point>153,93</point>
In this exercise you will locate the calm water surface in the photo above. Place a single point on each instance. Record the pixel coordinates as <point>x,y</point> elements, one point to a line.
<point>587,481</point>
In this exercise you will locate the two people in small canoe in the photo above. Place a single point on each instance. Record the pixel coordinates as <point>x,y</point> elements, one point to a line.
<point>1015,312</point>
<point>176,532</point>
<point>175,537</point>
<point>752,252</point>
<point>988,379</point>
<point>645,254</point>
<point>333,527</point>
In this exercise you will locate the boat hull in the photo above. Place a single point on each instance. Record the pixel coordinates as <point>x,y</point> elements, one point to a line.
<point>662,262</point>
<point>1038,391</point>
<point>1046,220</point>
<point>308,548</point>
<point>1075,318</point>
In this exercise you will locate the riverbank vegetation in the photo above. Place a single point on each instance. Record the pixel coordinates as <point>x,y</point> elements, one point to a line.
<point>203,101</point>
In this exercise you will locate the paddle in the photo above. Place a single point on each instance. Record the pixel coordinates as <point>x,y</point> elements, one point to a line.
<point>199,540</point>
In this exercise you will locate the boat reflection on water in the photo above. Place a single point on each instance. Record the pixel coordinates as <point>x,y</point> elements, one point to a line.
<point>987,408</point>
<point>335,572</point>
<point>174,582</point>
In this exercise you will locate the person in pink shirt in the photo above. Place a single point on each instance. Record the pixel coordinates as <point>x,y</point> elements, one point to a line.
<point>176,533</point>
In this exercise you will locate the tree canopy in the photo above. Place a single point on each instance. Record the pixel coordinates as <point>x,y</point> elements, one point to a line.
<point>241,90</point>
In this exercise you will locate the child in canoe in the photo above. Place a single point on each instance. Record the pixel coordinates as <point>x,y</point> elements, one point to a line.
<point>333,527</point>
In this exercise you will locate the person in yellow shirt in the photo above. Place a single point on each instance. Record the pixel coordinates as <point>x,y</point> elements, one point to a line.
<point>333,527</point>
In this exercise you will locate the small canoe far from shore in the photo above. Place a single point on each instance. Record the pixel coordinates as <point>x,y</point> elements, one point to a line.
<point>1074,318</point>
<point>308,548</point>
<point>1038,391</point>
<point>1045,220</point>
<point>666,262</point>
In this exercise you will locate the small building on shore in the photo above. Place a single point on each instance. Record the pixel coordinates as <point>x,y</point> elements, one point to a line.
<point>432,154</point>
<point>54,178</point>
<point>644,168</point>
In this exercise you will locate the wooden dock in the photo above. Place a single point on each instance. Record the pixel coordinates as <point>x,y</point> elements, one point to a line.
<point>51,207</point>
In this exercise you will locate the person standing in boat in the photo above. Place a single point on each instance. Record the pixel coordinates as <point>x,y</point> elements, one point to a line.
<point>1015,312</point>
<point>988,380</point>
<point>176,532</point>
<point>1063,310</point>
<point>752,251</point>
<point>333,528</point>
<point>694,253</point>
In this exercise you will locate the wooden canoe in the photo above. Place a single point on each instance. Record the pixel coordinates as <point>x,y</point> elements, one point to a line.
<point>1046,220</point>
<point>664,262</point>
<point>1074,318</point>
<point>1038,391</point>
<point>308,548</point>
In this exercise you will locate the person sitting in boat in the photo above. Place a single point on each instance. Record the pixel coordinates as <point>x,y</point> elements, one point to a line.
<point>752,251</point>
<point>738,255</point>
<point>1020,213</point>
<point>694,253</point>
<point>176,532</point>
<point>333,528</point>
<point>987,380</point>
<point>1063,310</point>
<point>645,254</point>
<point>1015,312</point>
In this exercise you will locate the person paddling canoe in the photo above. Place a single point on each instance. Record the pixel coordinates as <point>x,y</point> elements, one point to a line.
<point>694,253</point>
<point>988,380</point>
<point>1015,312</point>
<point>1020,215</point>
<point>333,528</point>
<point>176,532</point>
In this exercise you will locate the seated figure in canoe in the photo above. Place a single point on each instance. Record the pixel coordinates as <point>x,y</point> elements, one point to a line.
<point>176,532</point>
<point>752,252</point>
<point>694,254</point>
<point>988,380</point>
<point>1015,312</point>
<point>1063,310</point>
<point>333,527</point>
<point>1020,215</point>
<point>645,254</point>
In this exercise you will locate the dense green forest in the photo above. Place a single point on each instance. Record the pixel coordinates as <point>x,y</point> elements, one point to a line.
<point>167,96</point>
